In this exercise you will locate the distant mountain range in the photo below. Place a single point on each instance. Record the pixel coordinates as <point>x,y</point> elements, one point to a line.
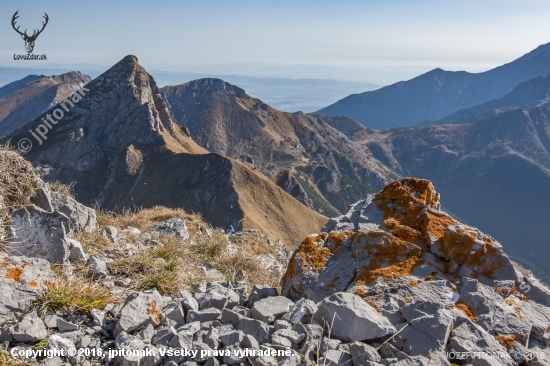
<point>526,95</point>
<point>26,99</point>
<point>438,93</point>
<point>283,93</point>
<point>331,168</point>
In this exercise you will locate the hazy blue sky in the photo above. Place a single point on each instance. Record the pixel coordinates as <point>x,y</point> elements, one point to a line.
<point>186,35</point>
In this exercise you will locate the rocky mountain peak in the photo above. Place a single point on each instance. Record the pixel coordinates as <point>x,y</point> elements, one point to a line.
<point>127,79</point>
<point>211,85</point>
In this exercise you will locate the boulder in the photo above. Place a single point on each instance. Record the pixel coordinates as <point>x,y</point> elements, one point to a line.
<point>22,280</point>
<point>271,308</point>
<point>141,354</point>
<point>174,227</point>
<point>40,234</point>
<point>139,310</point>
<point>30,329</point>
<point>97,268</point>
<point>396,233</point>
<point>350,318</point>
<point>81,218</point>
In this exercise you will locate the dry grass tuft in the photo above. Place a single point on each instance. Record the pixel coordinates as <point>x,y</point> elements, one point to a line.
<point>174,265</point>
<point>65,189</point>
<point>74,294</point>
<point>17,180</point>
<point>7,360</point>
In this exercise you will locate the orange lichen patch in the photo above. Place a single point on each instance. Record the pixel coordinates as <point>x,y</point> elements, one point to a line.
<point>389,257</point>
<point>517,310</point>
<point>433,225</point>
<point>332,283</point>
<point>33,283</point>
<point>510,301</point>
<point>466,309</point>
<point>405,199</point>
<point>522,297</point>
<point>466,246</point>
<point>361,292</point>
<point>406,299</point>
<point>48,284</point>
<point>502,290</point>
<point>391,223</point>
<point>4,261</point>
<point>14,273</point>
<point>412,284</point>
<point>373,305</point>
<point>154,311</point>
<point>429,277</point>
<point>335,239</point>
<point>312,253</point>
<point>508,341</point>
<point>408,234</point>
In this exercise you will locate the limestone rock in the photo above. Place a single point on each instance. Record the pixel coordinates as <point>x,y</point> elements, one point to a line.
<point>97,268</point>
<point>76,251</point>
<point>398,232</point>
<point>175,227</point>
<point>139,310</point>
<point>22,279</point>
<point>58,342</point>
<point>125,341</point>
<point>271,308</point>
<point>349,318</point>
<point>40,234</point>
<point>81,218</point>
<point>30,329</point>
<point>111,233</point>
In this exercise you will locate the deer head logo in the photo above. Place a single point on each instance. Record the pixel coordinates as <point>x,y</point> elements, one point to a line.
<point>29,40</point>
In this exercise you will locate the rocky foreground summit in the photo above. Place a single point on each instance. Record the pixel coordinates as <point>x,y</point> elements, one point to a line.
<point>433,284</point>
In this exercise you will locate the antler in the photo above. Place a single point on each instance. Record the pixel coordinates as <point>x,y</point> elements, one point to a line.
<point>35,34</point>
<point>13,19</point>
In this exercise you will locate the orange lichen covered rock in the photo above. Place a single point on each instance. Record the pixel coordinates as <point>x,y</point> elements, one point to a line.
<point>398,232</point>
<point>443,284</point>
<point>22,279</point>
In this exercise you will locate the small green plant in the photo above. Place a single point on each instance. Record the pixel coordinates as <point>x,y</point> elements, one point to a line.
<point>7,360</point>
<point>77,294</point>
<point>40,344</point>
<point>164,281</point>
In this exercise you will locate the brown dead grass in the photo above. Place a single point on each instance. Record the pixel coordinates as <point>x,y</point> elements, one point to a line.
<point>7,360</point>
<point>173,265</point>
<point>65,189</point>
<point>74,293</point>
<point>17,181</point>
